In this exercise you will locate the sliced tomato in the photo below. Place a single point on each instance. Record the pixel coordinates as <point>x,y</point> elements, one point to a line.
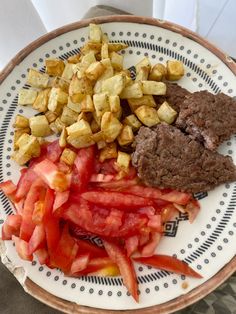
<point>100,177</point>
<point>96,264</point>
<point>60,199</point>
<point>192,208</point>
<point>110,270</point>
<point>19,205</point>
<point>28,176</point>
<point>115,199</point>
<point>150,247</point>
<point>8,187</point>
<point>125,265</point>
<point>38,212</point>
<point>11,226</point>
<point>84,166</point>
<point>54,151</point>
<point>22,248</point>
<point>155,223</point>
<point>80,263</point>
<point>37,239</point>
<point>65,251</point>
<point>118,185</point>
<point>177,197</point>
<point>131,244</point>
<point>50,174</point>
<point>27,226</point>
<point>106,167</point>
<point>168,213</point>
<point>168,263</point>
<point>42,255</point>
<point>93,250</point>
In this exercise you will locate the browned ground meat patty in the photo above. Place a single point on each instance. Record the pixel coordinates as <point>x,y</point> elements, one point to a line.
<point>175,95</point>
<point>208,118</point>
<point>167,158</point>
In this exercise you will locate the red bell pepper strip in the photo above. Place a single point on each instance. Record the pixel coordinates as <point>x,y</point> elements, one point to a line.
<point>115,200</point>
<point>168,263</point>
<point>37,239</point>
<point>22,248</point>
<point>125,265</point>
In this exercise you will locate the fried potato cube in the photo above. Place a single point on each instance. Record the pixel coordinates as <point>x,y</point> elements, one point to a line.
<point>153,88</point>
<point>126,136</point>
<point>88,59</point>
<point>80,86</point>
<point>20,157</point>
<point>116,46</point>
<point>68,71</point>
<point>54,67</point>
<point>132,91</point>
<point>175,70</point>
<point>116,61</point>
<point>123,160</point>
<point>68,156</point>
<point>108,152</point>
<point>62,83</point>
<point>95,127</point>
<point>114,85</point>
<point>28,147</point>
<point>51,116</point>
<point>95,33</point>
<point>133,122</point>
<point>41,101</point>
<point>158,72</point>
<point>79,128</point>
<point>91,47</point>
<point>87,116</point>
<point>166,113</point>
<point>147,115</point>
<point>94,70</point>
<point>143,73</point>
<point>145,62</point>
<point>73,105</point>
<point>101,144</point>
<point>87,104</point>
<point>146,100</point>
<point>17,135</point>
<point>62,138</point>
<point>57,99</point>
<point>39,126</point>
<point>74,59</point>
<point>114,102</point>
<point>98,137</point>
<point>80,141</point>
<point>27,96</point>
<point>57,126</point>
<point>108,72</point>
<point>110,126</point>
<point>68,116</point>
<point>37,79</point>
<point>21,122</point>
<point>101,105</point>
<point>104,51</point>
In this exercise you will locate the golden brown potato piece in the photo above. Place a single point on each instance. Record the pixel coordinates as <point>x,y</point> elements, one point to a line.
<point>57,126</point>
<point>68,156</point>
<point>101,105</point>
<point>57,99</point>
<point>158,72</point>
<point>79,128</point>
<point>132,121</point>
<point>41,102</point>
<point>87,104</point>
<point>51,116</point>
<point>114,85</point>
<point>27,96</point>
<point>147,115</point>
<point>68,71</point>
<point>74,59</point>
<point>37,79</point>
<point>95,33</point>
<point>116,61</point>
<point>123,160</point>
<point>108,152</point>
<point>145,62</point>
<point>80,141</point>
<point>143,73</point>
<point>54,67</point>
<point>39,126</point>
<point>175,70</point>
<point>68,116</point>
<point>146,100</point>
<point>82,86</point>
<point>132,91</point>
<point>17,135</point>
<point>21,122</point>
<point>62,139</point>
<point>166,113</point>
<point>126,136</point>
<point>110,126</point>
<point>94,70</point>
<point>153,88</point>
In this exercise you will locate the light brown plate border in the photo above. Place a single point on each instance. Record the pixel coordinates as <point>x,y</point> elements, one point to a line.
<point>197,293</point>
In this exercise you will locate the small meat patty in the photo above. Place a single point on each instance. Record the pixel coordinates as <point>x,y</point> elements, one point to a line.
<point>208,118</point>
<point>175,96</point>
<point>167,158</point>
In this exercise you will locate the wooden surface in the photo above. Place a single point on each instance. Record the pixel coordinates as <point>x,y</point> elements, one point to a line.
<point>182,301</point>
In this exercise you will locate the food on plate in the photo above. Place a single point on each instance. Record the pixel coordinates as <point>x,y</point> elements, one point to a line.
<point>66,193</point>
<point>167,158</point>
<point>208,118</point>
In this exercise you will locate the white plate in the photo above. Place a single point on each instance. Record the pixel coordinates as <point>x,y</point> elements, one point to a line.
<point>207,245</point>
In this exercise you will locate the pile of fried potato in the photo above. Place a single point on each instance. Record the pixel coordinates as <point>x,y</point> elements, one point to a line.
<point>84,99</point>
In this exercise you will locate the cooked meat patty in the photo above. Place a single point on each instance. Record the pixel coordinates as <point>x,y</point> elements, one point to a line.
<point>175,95</point>
<point>167,158</point>
<point>208,118</point>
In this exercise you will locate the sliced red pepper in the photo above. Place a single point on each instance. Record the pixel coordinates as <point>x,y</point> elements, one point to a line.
<point>42,255</point>
<point>125,265</point>
<point>115,200</point>
<point>168,263</point>
<point>84,164</point>
<point>22,248</point>
<point>80,263</point>
<point>37,239</point>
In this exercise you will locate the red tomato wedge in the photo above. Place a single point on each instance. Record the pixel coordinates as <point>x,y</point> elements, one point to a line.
<point>125,265</point>
<point>149,248</point>
<point>60,199</point>
<point>168,263</point>
<point>80,263</point>
<point>84,165</point>
<point>100,177</point>
<point>54,151</point>
<point>118,185</point>
<point>42,255</point>
<point>37,239</point>
<point>131,244</point>
<point>22,248</point>
<point>11,226</point>
<point>93,250</point>
<point>96,264</point>
<point>115,200</point>
<point>8,187</point>
<point>28,176</point>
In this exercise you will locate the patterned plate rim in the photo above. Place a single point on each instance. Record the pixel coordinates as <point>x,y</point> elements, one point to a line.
<point>197,293</point>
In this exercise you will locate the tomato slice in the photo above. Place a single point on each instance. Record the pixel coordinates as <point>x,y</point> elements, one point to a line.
<point>54,151</point>
<point>22,248</point>
<point>125,265</point>
<point>118,185</point>
<point>28,176</point>
<point>8,187</point>
<point>60,199</point>
<point>168,263</point>
<point>11,226</point>
<point>100,177</point>
<point>131,244</point>
<point>37,239</point>
<point>192,208</point>
<point>42,255</point>
<point>50,174</point>
<point>87,247</point>
<point>150,247</point>
<point>79,264</point>
<point>115,200</point>
<point>96,264</point>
